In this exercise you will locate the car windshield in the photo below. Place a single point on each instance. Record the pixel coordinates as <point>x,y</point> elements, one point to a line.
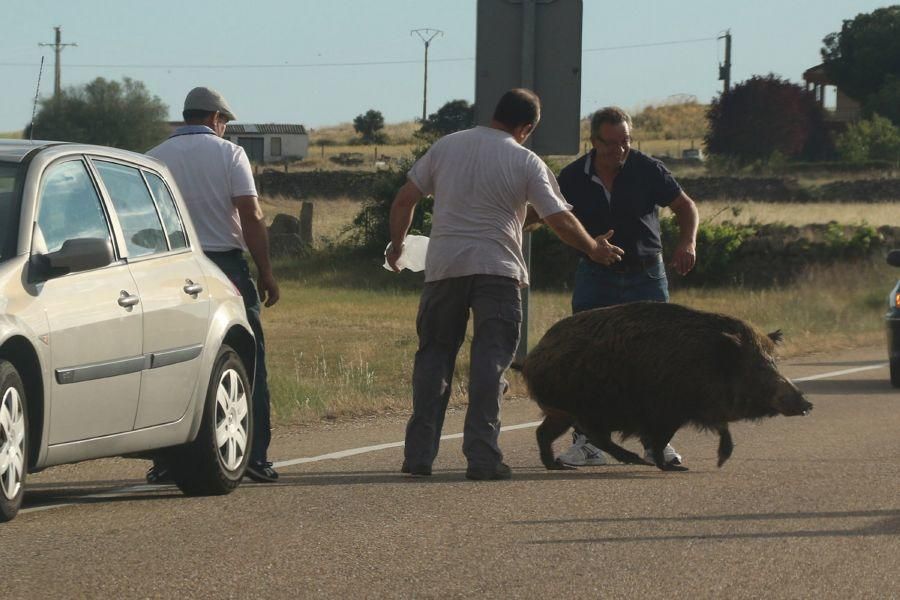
<point>9,210</point>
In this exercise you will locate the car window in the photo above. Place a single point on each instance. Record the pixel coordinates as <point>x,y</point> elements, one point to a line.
<point>171,220</point>
<point>9,205</point>
<point>134,206</point>
<point>69,208</point>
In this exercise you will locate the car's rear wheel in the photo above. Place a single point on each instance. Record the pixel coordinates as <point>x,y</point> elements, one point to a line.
<point>214,463</point>
<point>13,441</point>
<point>895,372</point>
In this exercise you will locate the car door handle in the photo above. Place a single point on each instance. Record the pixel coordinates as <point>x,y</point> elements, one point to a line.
<point>127,300</point>
<point>191,288</point>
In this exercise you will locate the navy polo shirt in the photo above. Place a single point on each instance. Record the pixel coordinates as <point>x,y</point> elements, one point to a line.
<point>642,185</point>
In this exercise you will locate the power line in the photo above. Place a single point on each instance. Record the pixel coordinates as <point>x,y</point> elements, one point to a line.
<point>287,65</point>
<point>650,45</point>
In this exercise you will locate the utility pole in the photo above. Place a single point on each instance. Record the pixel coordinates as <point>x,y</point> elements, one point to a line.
<point>58,46</point>
<point>725,68</point>
<point>426,35</point>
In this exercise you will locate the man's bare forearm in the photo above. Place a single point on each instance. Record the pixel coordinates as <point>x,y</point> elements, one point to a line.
<point>402,212</point>
<point>257,239</point>
<point>571,231</point>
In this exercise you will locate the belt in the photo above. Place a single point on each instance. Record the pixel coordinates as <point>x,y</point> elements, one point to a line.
<point>224,253</point>
<point>634,265</point>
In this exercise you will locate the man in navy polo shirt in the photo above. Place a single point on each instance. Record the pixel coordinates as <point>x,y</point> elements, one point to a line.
<point>616,188</point>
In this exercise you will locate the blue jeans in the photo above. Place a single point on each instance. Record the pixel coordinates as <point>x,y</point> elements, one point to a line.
<point>596,286</point>
<point>235,267</point>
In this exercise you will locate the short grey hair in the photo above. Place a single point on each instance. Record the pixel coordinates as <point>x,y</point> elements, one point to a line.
<point>610,114</point>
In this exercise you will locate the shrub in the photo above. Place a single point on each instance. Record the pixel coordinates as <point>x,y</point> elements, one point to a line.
<point>765,117</point>
<point>870,139</point>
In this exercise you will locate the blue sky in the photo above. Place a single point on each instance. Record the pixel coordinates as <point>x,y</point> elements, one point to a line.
<point>255,52</point>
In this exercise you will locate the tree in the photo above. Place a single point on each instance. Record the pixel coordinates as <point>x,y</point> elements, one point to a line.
<point>369,126</point>
<point>455,115</point>
<point>886,101</point>
<point>766,116</point>
<point>862,58</point>
<point>109,113</point>
<point>870,139</point>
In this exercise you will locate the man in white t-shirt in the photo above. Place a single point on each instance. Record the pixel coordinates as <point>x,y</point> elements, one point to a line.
<point>481,179</point>
<point>216,183</point>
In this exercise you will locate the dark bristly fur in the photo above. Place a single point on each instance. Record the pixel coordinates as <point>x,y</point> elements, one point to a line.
<point>647,369</point>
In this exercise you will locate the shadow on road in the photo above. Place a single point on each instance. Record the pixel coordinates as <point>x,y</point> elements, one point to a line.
<point>51,494</point>
<point>846,387</point>
<point>94,492</point>
<point>887,523</point>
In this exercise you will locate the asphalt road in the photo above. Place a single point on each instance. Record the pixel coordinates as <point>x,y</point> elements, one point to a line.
<point>808,507</point>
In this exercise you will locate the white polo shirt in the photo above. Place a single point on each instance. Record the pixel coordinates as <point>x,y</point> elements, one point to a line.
<point>481,180</point>
<point>210,173</point>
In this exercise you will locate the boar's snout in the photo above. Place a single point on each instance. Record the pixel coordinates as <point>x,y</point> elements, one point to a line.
<point>789,400</point>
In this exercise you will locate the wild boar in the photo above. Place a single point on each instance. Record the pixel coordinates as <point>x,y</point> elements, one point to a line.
<point>647,369</point>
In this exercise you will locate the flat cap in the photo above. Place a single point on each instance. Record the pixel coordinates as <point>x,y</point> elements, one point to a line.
<point>208,99</point>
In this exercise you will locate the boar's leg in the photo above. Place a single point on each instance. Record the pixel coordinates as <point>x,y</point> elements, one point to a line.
<point>657,443</point>
<point>602,440</point>
<point>726,444</point>
<point>555,424</point>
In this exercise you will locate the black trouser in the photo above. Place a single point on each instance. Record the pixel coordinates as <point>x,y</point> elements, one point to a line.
<point>235,267</point>
<point>441,324</point>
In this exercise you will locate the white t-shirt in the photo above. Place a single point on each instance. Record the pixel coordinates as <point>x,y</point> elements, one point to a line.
<point>481,180</point>
<point>210,172</point>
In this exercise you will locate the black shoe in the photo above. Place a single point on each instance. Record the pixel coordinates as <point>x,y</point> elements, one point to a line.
<point>158,474</point>
<point>416,471</point>
<point>261,472</point>
<point>500,471</point>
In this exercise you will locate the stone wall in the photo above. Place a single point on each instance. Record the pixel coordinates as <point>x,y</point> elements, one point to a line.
<point>359,184</point>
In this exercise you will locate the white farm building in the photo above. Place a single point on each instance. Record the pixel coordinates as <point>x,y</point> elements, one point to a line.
<point>266,143</point>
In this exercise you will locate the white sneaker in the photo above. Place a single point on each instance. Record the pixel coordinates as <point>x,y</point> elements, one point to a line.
<point>669,454</point>
<point>582,453</point>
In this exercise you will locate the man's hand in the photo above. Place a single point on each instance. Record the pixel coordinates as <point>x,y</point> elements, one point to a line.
<point>393,255</point>
<point>268,289</point>
<point>605,253</point>
<point>684,258</point>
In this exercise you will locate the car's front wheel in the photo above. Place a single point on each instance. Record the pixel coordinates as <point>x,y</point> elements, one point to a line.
<point>214,463</point>
<point>13,441</point>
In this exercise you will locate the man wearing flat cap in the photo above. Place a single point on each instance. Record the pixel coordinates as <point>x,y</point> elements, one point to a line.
<point>217,185</point>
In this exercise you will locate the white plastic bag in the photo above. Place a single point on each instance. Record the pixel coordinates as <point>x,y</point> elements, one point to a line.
<point>413,257</point>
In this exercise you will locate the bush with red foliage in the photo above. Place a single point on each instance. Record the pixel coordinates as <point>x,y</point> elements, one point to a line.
<point>765,117</point>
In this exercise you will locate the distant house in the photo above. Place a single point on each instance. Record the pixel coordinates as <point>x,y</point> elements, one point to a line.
<point>267,142</point>
<point>846,109</point>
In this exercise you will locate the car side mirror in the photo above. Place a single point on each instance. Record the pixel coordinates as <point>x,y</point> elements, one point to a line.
<point>75,255</point>
<point>893,258</point>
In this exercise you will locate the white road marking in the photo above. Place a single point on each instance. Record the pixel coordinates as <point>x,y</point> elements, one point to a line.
<point>125,491</point>
<point>839,373</point>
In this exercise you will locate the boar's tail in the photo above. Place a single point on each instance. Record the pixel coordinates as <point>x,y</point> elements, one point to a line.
<point>516,366</point>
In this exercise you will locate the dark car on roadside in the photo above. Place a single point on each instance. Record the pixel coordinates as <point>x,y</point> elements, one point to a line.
<point>893,323</point>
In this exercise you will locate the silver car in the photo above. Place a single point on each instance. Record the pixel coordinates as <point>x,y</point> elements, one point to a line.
<point>117,335</point>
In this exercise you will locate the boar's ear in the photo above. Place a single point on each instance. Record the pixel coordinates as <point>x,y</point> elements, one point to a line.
<point>729,347</point>
<point>776,336</point>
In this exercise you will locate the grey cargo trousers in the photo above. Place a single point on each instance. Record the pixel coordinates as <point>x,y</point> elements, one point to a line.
<point>441,325</point>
